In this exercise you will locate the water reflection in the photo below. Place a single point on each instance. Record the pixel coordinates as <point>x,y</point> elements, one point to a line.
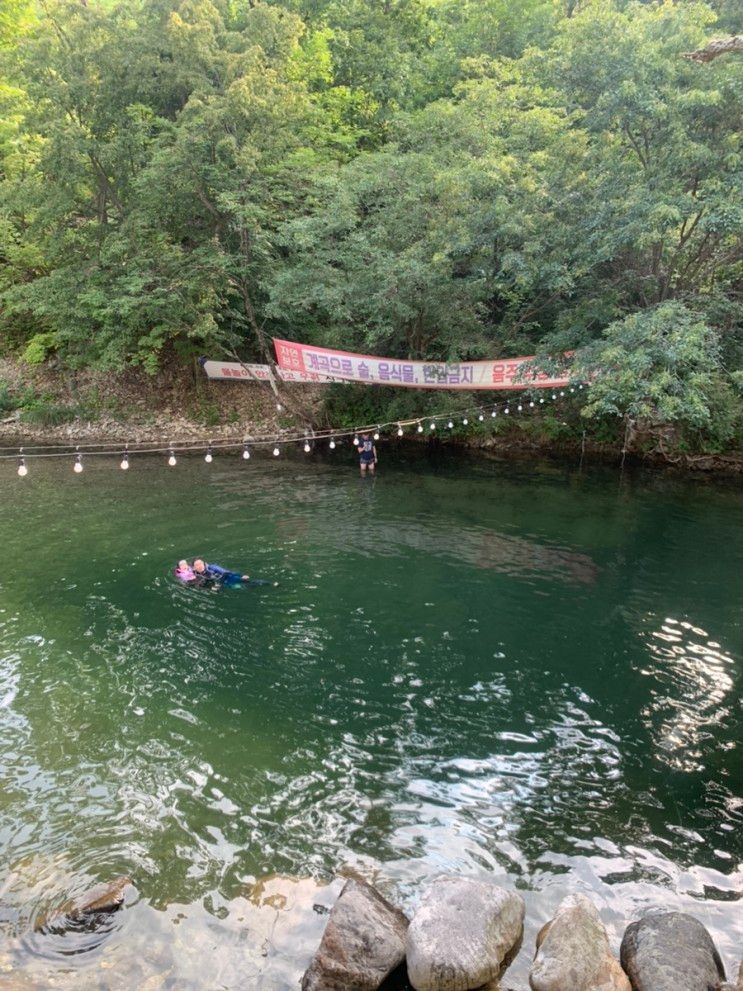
<point>692,680</point>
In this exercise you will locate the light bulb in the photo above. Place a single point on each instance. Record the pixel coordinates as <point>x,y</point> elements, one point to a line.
<point>399,431</point>
<point>465,421</point>
<point>531,405</point>
<point>519,407</point>
<point>172,461</point>
<point>572,390</point>
<point>554,396</point>
<point>356,440</point>
<point>276,452</point>
<point>124,463</point>
<point>78,466</point>
<point>450,425</point>
<point>331,445</point>
<point>506,411</point>
<point>208,457</point>
<point>246,453</point>
<point>493,413</point>
<point>481,418</point>
<point>562,393</point>
<point>279,407</point>
<point>580,386</point>
<point>376,434</point>
<point>541,400</point>
<point>420,428</point>
<point>433,425</point>
<point>22,469</point>
<point>306,447</point>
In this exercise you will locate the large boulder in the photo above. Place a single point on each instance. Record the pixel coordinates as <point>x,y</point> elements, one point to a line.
<point>363,943</point>
<point>463,935</point>
<point>670,952</point>
<point>573,952</point>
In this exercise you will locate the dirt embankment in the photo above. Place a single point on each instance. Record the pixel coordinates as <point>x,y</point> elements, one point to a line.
<point>177,405</point>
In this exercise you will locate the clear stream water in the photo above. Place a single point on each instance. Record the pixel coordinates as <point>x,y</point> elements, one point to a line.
<point>529,673</point>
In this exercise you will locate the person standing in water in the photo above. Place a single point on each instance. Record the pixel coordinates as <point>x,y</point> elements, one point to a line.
<point>367,454</point>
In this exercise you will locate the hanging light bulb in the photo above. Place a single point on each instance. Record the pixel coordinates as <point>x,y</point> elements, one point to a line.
<point>172,459</point>
<point>356,439</point>
<point>494,413</point>
<point>331,445</point>
<point>580,386</point>
<point>562,393</point>
<point>432,425</point>
<point>376,434</point>
<point>420,427</point>
<point>307,447</point>
<point>519,407</point>
<point>209,457</point>
<point>450,424</point>
<point>541,400</point>
<point>481,417</point>
<point>276,451</point>
<point>78,465</point>
<point>22,469</point>
<point>531,404</point>
<point>399,430</point>
<point>246,453</point>
<point>124,461</point>
<point>465,421</point>
<point>554,396</point>
<point>506,411</point>
<point>572,390</point>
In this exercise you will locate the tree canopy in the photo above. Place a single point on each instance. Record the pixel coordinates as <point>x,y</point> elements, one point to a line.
<point>425,178</point>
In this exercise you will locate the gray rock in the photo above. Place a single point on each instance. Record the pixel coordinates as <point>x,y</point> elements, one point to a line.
<point>463,935</point>
<point>363,943</point>
<point>573,952</point>
<point>670,952</point>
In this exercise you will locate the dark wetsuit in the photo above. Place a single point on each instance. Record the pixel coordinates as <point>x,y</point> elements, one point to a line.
<point>217,573</point>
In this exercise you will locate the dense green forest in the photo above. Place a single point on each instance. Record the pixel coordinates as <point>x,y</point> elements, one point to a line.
<point>420,178</point>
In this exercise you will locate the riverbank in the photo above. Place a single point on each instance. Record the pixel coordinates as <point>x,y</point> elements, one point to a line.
<point>46,405</point>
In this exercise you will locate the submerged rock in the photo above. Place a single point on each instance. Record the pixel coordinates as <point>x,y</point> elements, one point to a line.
<point>573,952</point>
<point>106,897</point>
<point>363,943</point>
<point>670,952</point>
<point>463,935</point>
<point>101,899</point>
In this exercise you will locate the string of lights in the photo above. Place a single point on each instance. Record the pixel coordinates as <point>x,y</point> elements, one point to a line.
<point>275,439</point>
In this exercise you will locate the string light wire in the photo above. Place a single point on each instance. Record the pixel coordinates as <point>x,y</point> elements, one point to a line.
<point>197,444</point>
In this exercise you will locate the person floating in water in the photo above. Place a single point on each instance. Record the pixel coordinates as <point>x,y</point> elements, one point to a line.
<point>184,572</point>
<point>367,454</point>
<point>216,574</point>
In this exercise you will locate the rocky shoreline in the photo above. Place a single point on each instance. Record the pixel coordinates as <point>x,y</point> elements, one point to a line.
<point>462,935</point>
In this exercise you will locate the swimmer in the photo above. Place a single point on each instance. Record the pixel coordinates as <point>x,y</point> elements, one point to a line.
<point>367,455</point>
<point>216,573</point>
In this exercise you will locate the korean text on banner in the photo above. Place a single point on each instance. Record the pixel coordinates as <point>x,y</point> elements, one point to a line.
<point>304,359</point>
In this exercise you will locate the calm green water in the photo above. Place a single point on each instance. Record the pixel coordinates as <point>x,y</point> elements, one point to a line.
<point>483,667</point>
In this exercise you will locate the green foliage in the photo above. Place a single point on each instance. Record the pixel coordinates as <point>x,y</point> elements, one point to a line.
<point>426,178</point>
<point>47,413</point>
